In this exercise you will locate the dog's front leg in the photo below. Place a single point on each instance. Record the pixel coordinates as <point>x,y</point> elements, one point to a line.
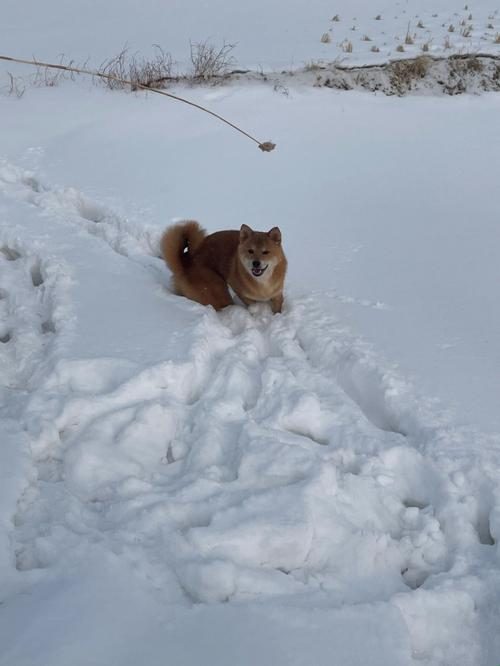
<point>277,303</point>
<point>246,301</point>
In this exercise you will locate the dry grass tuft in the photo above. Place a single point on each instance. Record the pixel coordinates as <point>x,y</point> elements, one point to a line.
<point>405,72</point>
<point>325,38</point>
<point>154,72</point>
<point>211,62</point>
<point>378,17</point>
<point>313,66</point>
<point>336,18</point>
<point>365,38</point>
<point>474,64</point>
<point>375,49</point>
<point>346,46</point>
<point>497,38</point>
<point>408,38</point>
<point>16,87</point>
<point>451,28</point>
<point>400,48</point>
<point>460,69</point>
<point>43,77</point>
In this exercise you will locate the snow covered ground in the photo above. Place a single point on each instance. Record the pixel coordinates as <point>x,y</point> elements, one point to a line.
<point>267,35</point>
<point>189,487</point>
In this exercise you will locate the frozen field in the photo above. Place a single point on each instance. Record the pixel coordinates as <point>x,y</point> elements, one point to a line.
<point>267,35</point>
<point>188,487</point>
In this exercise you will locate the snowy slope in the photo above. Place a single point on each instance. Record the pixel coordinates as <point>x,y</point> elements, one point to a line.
<point>189,487</point>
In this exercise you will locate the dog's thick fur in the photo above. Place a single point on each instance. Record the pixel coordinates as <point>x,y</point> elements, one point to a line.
<point>251,262</point>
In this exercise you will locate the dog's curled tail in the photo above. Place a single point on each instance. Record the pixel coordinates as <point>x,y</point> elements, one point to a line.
<point>178,244</point>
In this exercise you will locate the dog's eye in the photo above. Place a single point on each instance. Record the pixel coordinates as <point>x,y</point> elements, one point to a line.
<point>265,251</point>
<point>250,251</point>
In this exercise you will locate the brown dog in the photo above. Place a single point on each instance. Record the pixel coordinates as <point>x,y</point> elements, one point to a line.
<point>252,263</point>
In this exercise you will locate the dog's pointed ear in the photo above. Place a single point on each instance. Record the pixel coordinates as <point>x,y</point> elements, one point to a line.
<point>245,233</point>
<point>275,235</point>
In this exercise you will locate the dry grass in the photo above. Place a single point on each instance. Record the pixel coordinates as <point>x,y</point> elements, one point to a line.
<point>281,89</point>
<point>426,47</point>
<point>43,77</point>
<point>467,31</point>
<point>16,86</point>
<point>347,46</point>
<point>325,38</point>
<point>420,25</point>
<point>405,72</point>
<point>49,78</point>
<point>375,49</point>
<point>336,18</point>
<point>461,68</point>
<point>378,17</point>
<point>474,64</point>
<point>400,48</point>
<point>451,28</point>
<point>497,38</point>
<point>408,38</point>
<point>154,72</point>
<point>211,62</point>
<point>365,38</point>
<point>313,66</point>
<point>447,44</point>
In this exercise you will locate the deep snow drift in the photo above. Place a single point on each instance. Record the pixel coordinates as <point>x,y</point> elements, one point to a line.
<point>183,486</point>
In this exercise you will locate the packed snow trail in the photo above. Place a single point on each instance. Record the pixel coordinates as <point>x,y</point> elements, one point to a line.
<point>229,457</point>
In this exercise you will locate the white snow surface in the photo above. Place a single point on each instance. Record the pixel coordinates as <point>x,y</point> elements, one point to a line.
<point>266,34</point>
<point>189,487</point>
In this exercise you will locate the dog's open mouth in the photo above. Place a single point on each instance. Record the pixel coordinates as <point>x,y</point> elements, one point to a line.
<point>257,272</point>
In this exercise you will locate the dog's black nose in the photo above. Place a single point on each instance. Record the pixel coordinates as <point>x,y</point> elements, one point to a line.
<point>256,263</point>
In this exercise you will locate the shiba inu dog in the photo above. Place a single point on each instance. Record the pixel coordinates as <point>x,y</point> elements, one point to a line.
<point>251,262</point>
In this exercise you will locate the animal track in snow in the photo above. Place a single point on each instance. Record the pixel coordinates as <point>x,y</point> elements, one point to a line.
<point>9,253</point>
<point>48,326</point>
<point>139,244</point>
<point>364,385</point>
<point>25,313</point>
<point>36,275</point>
<point>484,532</point>
<point>218,449</point>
